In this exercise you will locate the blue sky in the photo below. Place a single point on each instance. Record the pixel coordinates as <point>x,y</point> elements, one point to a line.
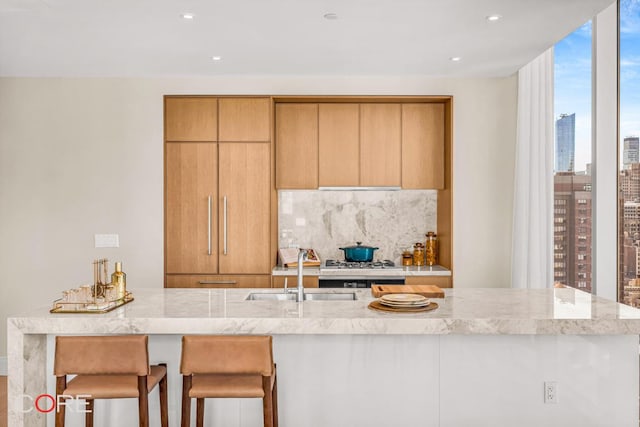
<point>573,79</point>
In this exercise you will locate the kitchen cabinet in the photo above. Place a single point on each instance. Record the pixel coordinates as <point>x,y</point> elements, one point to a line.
<point>339,145</point>
<point>191,187</point>
<point>244,119</point>
<point>359,145</point>
<point>191,119</point>
<point>218,194</point>
<point>423,146</point>
<point>296,146</point>
<point>292,281</point>
<point>380,145</point>
<point>218,281</point>
<point>243,205</point>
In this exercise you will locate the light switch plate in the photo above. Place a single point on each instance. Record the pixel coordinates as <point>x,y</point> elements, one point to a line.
<point>107,241</point>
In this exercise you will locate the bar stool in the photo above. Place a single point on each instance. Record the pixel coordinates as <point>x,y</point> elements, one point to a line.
<point>108,367</point>
<point>228,366</point>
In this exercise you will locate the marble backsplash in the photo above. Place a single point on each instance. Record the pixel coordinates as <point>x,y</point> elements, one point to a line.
<point>328,220</point>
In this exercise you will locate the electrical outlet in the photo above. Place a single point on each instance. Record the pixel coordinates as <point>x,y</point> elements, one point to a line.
<point>107,241</point>
<point>550,392</point>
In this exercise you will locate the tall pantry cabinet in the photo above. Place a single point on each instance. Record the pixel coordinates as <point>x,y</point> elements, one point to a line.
<point>217,191</point>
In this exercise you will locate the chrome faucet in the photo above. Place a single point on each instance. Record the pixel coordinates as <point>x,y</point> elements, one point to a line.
<point>301,255</point>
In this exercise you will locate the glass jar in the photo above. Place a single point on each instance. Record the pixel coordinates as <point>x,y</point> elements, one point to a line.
<point>431,247</point>
<point>407,258</point>
<point>418,254</point>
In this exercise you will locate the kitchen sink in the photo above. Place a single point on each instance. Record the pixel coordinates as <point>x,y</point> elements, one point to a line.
<point>272,297</point>
<point>311,296</point>
<point>325,296</point>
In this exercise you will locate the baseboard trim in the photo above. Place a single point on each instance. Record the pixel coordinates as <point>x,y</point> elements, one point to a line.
<point>3,366</point>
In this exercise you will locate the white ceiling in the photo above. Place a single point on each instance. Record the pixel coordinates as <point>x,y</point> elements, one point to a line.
<point>119,38</point>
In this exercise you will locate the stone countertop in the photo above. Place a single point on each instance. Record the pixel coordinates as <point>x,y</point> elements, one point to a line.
<point>435,270</point>
<point>561,311</point>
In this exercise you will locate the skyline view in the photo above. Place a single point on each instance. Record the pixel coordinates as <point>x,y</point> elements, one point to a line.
<point>572,75</point>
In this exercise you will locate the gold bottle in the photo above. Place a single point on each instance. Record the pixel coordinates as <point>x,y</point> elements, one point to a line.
<point>119,281</point>
<point>431,246</point>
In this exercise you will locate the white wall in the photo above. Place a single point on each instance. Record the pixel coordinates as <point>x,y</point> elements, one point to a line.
<point>84,156</point>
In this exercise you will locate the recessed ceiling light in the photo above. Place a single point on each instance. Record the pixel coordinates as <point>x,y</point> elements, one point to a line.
<point>216,58</point>
<point>494,18</point>
<point>331,16</point>
<point>455,58</point>
<point>188,16</point>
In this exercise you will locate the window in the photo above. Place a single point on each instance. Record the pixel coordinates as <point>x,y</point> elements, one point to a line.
<point>572,161</point>
<point>629,161</point>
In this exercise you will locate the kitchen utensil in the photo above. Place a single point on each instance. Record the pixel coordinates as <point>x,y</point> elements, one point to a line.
<point>429,291</point>
<point>358,253</point>
<point>404,298</point>
<point>376,305</point>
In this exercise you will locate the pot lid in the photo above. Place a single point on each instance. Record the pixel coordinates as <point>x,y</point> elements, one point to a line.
<point>359,245</point>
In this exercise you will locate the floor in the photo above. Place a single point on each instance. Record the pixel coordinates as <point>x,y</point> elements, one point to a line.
<point>3,401</point>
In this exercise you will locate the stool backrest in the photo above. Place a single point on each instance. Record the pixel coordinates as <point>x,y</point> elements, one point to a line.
<point>102,355</point>
<point>226,354</point>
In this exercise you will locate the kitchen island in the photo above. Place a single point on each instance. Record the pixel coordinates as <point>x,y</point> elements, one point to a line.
<point>482,358</point>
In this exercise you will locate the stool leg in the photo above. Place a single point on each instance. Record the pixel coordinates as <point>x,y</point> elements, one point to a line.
<point>267,402</point>
<point>88,416</point>
<point>186,401</point>
<point>61,384</point>
<point>200,412</point>
<point>143,402</point>
<point>274,398</point>
<point>164,411</point>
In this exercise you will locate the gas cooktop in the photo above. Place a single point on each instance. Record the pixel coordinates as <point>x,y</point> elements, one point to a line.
<point>373,265</point>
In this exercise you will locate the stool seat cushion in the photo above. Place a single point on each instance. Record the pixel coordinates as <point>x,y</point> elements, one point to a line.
<point>112,386</point>
<point>223,385</point>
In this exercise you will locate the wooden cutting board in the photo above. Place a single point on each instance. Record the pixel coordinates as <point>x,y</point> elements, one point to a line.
<point>429,291</point>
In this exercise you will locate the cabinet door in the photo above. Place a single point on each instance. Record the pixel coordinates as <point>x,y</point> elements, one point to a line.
<point>244,213</point>
<point>190,197</point>
<point>297,146</point>
<point>339,145</point>
<point>423,146</point>
<point>244,119</point>
<point>380,145</point>
<point>190,119</point>
<point>217,281</point>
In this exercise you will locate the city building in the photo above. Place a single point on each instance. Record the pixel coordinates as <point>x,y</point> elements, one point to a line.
<point>565,143</point>
<point>572,230</point>
<point>630,151</point>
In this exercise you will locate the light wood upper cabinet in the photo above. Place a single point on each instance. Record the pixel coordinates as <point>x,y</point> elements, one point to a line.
<point>423,146</point>
<point>245,218</point>
<point>190,188</point>
<point>244,119</point>
<point>380,145</point>
<point>296,146</point>
<point>191,119</point>
<point>339,145</point>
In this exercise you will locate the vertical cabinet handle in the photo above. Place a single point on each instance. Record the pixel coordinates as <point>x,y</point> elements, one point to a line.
<point>209,225</point>
<point>225,225</point>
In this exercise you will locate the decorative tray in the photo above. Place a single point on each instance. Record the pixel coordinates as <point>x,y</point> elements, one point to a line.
<point>60,306</point>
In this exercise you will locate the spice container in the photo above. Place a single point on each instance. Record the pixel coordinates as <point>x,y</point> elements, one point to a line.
<point>407,258</point>
<point>431,247</point>
<point>418,254</point>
